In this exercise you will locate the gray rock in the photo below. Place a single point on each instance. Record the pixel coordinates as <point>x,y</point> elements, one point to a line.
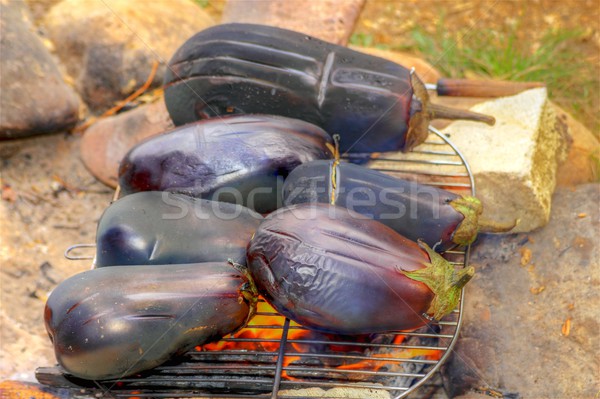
<point>518,155</point>
<point>34,99</point>
<point>109,46</point>
<point>531,324</point>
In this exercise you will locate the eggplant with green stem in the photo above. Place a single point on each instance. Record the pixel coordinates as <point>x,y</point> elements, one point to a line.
<point>335,270</point>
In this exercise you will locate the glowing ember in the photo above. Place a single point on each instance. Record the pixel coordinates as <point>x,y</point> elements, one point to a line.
<point>263,334</point>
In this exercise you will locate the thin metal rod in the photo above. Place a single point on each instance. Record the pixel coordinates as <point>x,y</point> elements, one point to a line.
<point>464,161</point>
<point>350,371</point>
<point>73,247</point>
<point>279,367</point>
<point>361,358</point>
<point>341,384</point>
<point>424,173</point>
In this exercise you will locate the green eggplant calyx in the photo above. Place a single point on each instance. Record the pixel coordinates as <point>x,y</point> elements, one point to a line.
<point>248,290</point>
<point>443,280</point>
<point>471,208</point>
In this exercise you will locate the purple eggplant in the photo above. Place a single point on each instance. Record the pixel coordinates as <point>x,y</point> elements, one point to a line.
<point>236,159</point>
<point>157,228</point>
<point>374,104</point>
<point>117,321</point>
<point>439,217</point>
<point>334,270</point>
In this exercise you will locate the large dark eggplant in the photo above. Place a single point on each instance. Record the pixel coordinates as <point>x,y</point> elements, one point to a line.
<point>237,159</point>
<point>157,228</point>
<point>374,104</point>
<point>116,321</point>
<point>334,270</point>
<point>439,217</point>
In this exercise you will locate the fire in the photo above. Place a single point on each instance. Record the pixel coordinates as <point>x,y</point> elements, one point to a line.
<point>264,331</point>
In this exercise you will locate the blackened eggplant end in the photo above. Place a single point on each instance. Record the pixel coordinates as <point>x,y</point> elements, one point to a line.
<point>443,280</point>
<point>471,208</point>
<point>418,125</point>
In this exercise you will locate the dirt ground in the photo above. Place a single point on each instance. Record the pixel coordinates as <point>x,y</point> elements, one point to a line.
<point>50,201</point>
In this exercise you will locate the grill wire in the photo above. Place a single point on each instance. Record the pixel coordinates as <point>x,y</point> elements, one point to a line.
<point>383,365</point>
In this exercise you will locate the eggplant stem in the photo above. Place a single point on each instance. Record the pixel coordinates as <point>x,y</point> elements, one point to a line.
<point>248,291</point>
<point>437,111</point>
<point>494,227</point>
<point>334,165</point>
<point>443,280</point>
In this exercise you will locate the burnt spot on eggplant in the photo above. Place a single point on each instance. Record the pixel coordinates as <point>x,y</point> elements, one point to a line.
<point>236,159</point>
<point>335,270</point>
<point>157,228</point>
<point>374,104</point>
<point>113,322</point>
<point>440,218</point>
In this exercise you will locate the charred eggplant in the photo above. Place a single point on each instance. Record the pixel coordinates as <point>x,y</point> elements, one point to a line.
<point>116,321</point>
<point>374,104</point>
<point>439,217</point>
<point>335,270</point>
<point>157,228</point>
<point>236,159</point>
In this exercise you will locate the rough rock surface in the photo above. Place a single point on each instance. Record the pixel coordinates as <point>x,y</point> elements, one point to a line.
<point>531,324</point>
<point>109,46</point>
<point>49,201</point>
<point>583,160</point>
<point>329,20</point>
<point>34,99</point>
<point>515,161</point>
<point>582,164</point>
<point>106,142</point>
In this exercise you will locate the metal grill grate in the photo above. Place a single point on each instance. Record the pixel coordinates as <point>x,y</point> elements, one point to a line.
<point>273,358</point>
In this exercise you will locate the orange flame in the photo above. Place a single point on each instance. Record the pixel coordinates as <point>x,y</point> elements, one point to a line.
<point>264,331</point>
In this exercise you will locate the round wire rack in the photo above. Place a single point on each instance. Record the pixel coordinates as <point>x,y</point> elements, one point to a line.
<point>275,358</point>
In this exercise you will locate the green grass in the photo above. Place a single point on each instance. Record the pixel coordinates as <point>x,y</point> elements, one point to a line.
<point>202,3</point>
<point>554,59</point>
<point>366,40</point>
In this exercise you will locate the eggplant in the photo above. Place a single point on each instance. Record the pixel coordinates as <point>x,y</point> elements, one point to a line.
<point>156,228</point>
<point>334,270</point>
<point>236,159</point>
<point>117,321</point>
<point>374,104</point>
<point>442,219</point>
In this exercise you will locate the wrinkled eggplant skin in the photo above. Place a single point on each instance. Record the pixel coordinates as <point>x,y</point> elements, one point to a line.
<point>157,228</point>
<point>245,68</point>
<point>333,270</point>
<point>112,322</point>
<point>414,210</point>
<point>247,155</point>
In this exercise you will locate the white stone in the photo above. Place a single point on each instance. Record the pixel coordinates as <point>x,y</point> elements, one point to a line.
<point>514,162</point>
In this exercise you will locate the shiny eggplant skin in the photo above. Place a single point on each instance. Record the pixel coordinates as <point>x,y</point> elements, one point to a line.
<point>157,228</point>
<point>116,321</point>
<point>439,217</point>
<point>333,270</point>
<point>245,68</point>
<point>239,159</point>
